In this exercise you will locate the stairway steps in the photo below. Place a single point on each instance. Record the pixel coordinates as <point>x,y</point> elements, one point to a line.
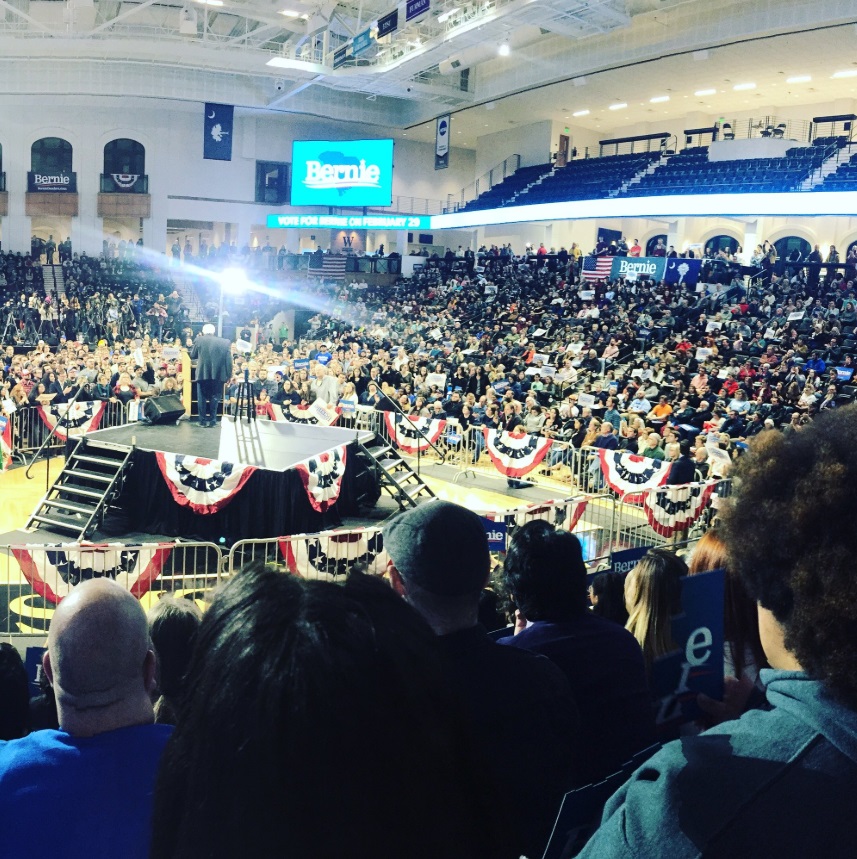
<point>98,460</point>
<point>99,477</point>
<point>56,520</point>
<point>77,490</point>
<point>63,504</point>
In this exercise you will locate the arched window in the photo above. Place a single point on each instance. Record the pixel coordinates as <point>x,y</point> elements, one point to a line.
<point>652,243</point>
<point>721,243</point>
<point>786,245</point>
<point>124,156</point>
<point>51,155</point>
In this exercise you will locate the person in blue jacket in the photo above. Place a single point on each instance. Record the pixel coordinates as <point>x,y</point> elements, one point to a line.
<point>780,782</point>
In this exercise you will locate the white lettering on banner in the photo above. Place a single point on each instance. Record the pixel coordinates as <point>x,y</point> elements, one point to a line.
<point>627,267</point>
<point>360,175</point>
<point>700,639</point>
<point>51,180</point>
<point>495,535</point>
<point>357,221</point>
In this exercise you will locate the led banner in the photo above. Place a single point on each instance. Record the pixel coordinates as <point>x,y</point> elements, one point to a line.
<point>342,172</point>
<point>358,222</point>
<point>38,183</point>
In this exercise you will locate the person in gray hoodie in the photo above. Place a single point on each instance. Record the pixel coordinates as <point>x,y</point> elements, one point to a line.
<point>779,782</point>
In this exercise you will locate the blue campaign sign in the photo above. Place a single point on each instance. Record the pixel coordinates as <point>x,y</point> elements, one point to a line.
<point>342,173</point>
<point>844,374</point>
<point>496,533</point>
<point>697,663</point>
<point>301,363</point>
<point>625,561</point>
<point>415,8</point>
<point>682,270</point>
<point>361,42</point>
<point>634,267</point>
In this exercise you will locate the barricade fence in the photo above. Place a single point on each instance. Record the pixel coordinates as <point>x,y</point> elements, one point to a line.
<point>29,430</point>
<point>35,577</point>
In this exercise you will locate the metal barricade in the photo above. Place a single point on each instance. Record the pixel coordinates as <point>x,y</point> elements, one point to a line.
<point>35,577</point>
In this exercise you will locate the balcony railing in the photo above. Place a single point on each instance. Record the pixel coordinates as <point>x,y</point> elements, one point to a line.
<point>124,183</point>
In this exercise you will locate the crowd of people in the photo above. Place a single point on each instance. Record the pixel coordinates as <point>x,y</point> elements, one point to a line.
<point>379,717</point>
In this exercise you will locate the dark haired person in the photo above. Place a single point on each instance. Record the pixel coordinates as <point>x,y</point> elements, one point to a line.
<point>14,694</point>
<point>781,782</point>
<point>320,724</point>
<point>546,577</point>
<point>518,704</point>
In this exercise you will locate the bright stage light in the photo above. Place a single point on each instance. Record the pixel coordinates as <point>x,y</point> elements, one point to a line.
<point>234,281</point>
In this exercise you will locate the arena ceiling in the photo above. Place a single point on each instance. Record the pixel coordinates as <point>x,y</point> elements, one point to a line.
<point>563,56</point>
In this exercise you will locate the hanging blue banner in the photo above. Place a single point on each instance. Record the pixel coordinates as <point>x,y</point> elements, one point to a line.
<point>415,8</point>
<point>361,42</point>
<point>682,270</point>
<point>388,24</point>
<point>340,56</point>
<point>217,139</point>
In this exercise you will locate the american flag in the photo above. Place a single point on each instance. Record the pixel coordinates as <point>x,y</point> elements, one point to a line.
<point>597,268</point>
<point>332,266</point>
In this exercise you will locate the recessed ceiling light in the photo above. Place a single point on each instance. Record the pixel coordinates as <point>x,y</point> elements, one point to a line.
<point>210,2</point>
<point>799,79</point>
<point>659,98</point>
<point>846,73</point>
<point>740,87</point>
<point>581,113</point>
<point>705,92</point>
<point>504,50</point>
<point>618,106</point>
<point>290,13</point>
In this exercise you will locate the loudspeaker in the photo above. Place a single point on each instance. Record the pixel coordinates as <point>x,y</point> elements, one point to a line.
<point>166,409</point>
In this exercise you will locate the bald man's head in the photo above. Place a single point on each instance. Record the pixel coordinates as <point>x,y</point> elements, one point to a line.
<point>99,657</point>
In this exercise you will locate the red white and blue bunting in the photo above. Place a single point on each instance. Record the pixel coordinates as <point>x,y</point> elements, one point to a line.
<point>204,485</point>
<point>317,414</point>
<point>413,433</point>
<point>53,570</point>
<point>562,513</point>
<point>5,442</point>
<point>82,418</point>
<point>515,454</point>
<point>329,555</point>
<point>676,508</point>
<point>628,473</point>
<point>322,478</point>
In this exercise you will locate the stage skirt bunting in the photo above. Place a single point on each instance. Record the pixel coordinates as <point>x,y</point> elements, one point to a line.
<point>628,473</point>
<point>53,570</point>
<point>5,442</point>
<point>317,414</point>
<point>515,454</point>
<point>82,418</point>
<point>331,554</point>
<point>676,508</point>
<point>563,513</point>
<point>413,433</point>
<point>322,477</point>
<point>204,485</point>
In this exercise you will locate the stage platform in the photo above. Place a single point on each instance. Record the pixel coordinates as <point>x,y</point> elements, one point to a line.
<point>273,445</point>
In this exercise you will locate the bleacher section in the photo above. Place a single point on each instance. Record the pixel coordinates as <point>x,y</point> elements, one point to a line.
<point>588,178</point>
<point>501,194</point>
<point>690,171</point>
<point>844,178</point>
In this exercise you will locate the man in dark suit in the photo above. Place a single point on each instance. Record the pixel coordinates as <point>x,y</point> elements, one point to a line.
<point>213,370</point>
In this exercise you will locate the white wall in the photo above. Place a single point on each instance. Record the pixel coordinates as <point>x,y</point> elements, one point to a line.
<point>532,142</point>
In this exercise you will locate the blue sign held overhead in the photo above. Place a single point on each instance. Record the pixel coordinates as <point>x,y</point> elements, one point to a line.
<point>496,534</point>
<point>415,8</point>
<point>301,363</point>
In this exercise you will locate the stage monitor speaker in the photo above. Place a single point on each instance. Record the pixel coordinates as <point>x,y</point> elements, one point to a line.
<point>166,409</point>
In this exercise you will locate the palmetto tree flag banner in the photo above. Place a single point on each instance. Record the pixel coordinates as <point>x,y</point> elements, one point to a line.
<point>676,508</point>
<point>515,454</point>
<point>204,485</point>
<point>82,418</point>
<point>628,473</point>
<point>322,477</point>
<point>412,434</point>
<point>331,554</point>
<point>55,569</point>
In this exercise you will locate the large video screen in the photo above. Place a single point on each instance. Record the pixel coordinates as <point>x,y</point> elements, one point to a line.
<point>342,173</point>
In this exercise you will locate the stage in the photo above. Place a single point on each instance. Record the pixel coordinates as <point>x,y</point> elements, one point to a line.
<point>266,466</point>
